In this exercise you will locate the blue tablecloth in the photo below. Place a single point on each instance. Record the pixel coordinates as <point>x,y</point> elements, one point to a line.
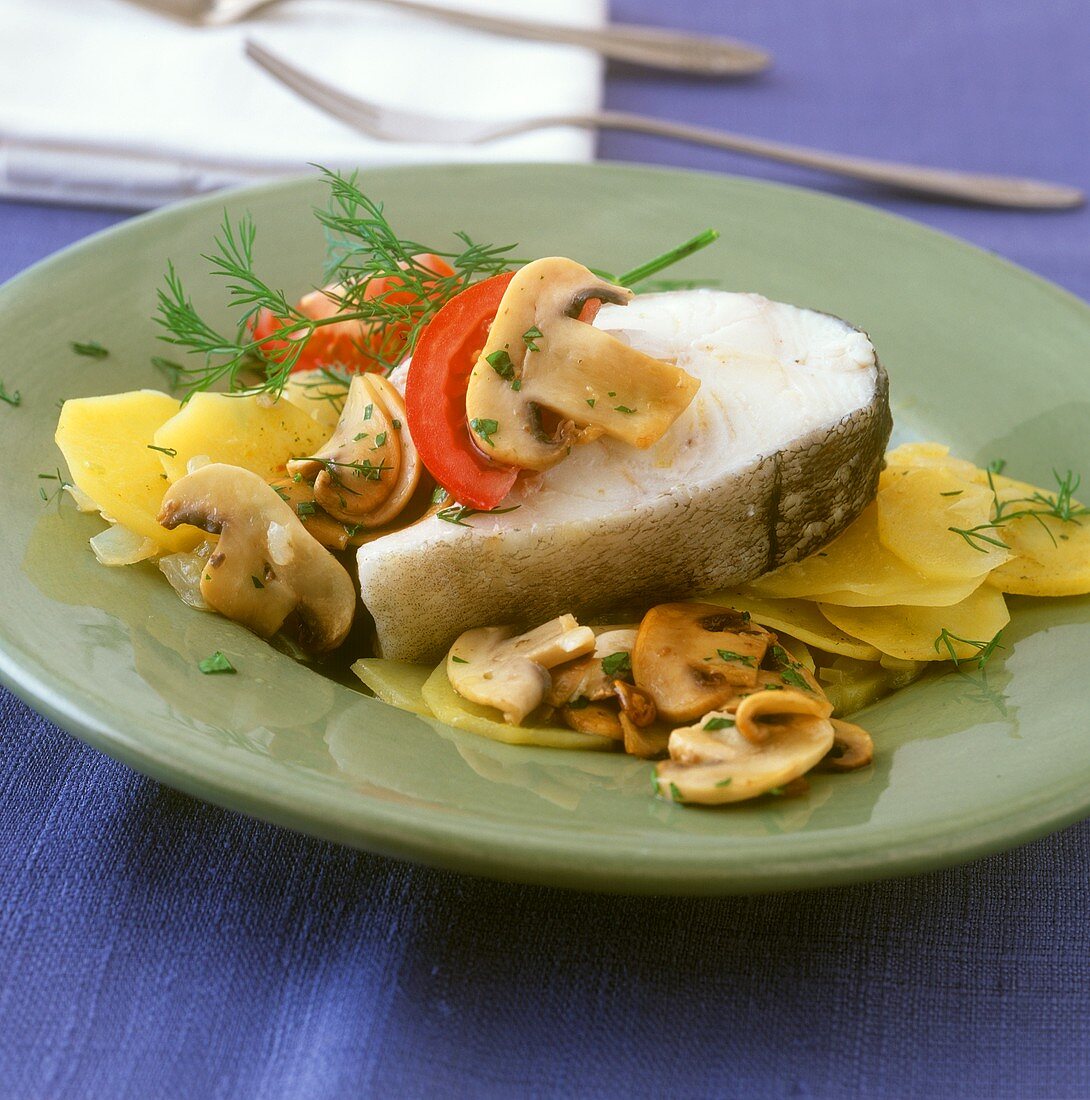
<point>151,945</point>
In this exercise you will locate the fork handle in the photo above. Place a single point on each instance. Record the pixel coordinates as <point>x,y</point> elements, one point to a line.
<point>963,186</point>
<point>653,47</point>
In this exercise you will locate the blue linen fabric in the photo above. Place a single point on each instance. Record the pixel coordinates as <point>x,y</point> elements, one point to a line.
<point>152,945</point>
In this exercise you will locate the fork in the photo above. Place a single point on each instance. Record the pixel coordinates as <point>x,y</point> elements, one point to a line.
<point>391,124</point>
<point>653,47</point>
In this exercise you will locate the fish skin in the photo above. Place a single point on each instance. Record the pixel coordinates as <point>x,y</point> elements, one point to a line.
<point>424,593</point>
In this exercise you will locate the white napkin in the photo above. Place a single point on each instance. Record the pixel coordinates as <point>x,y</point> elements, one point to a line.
<point>105,102</point>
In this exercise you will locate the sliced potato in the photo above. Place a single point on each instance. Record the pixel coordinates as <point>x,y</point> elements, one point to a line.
<point>106,442</point>
<point>855,570</point>
<point>319,393</point>
<point>851,685</point>
<point>448,706</point>
<point>248,431</point>
<point>1051,556</point>
<point>931,456</point>
<point>395,682</point>
<point>910,633</point>
<point>799,618</point>
<point>919,514</point>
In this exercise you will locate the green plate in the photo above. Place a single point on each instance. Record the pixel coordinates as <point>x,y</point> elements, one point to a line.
<point>980,354</point>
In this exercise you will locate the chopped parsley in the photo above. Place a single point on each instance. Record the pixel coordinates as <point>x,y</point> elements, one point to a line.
<point>592,401</point>
<point>216,663</point>
<point>459,660</point>
<point>952,493</point>
<point>91,348</point>
<point>725,782</point>
<point>794,678</point>
<point>516,385</point>
<point>623,409</point>
<point>359,436</point>
<point>14,399</point>
<point>258,582</point>
<point>501,363</point>
<point>580,702</point>
<point>741,658</point>
<point>368,412</point>
<point>306,508</point>
<point>530,335</point>
<point>397,425</point>
<point>485,427</point>
<point>380,439</point>
<point>719,723</point>
<point>170,452</point>
<point>439,495</point>
<point>617,664</point>
<point>675,793</point>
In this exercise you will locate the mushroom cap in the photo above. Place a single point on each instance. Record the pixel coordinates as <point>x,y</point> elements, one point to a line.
<point>496,667</point>
<point>265,565</point>
<point>719,765</point>
<point>586,380</point>
<point>692,658</point>
<point>852,748</point>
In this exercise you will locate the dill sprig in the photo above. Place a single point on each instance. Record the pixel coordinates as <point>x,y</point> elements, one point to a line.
<point>986,650</point>
<point>1061,506</point>
<point>383,280</point>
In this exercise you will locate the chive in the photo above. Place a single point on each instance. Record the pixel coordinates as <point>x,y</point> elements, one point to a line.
<point>485,428</point>
<point>952,493</point>
<point>216,663</point>
<point>92,348</point>
<point>667,259</point>
<point>501,363</point>
<point>170,452</point>
<point>616,664</point>
<point>719,724</point>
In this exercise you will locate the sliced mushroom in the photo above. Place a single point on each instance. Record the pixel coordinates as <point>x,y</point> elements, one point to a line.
<point>646,742</point>
<point>636,704</point>
<point>299,495</point>
<point>540,362</point>
<point>265,566</point>
<point>713,762</point>
<point>588,678</point>
<point>368,471</point>
<point>594,718</point>
<point>852,748</point>
<point>496,667</point>
<point>692,658</point>
<point>757,714</point>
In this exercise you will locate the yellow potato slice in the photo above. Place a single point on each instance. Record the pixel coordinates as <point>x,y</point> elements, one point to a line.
<point>856,570</point>
<point>910,633</point>
<point>448,706</point>
<point>395,682</point>
<point>851,685</point>
<point>106,442</point>
<point>1051,556</point>
<point>319,393</point>
<point>799,618</point>
<point>249,431</point>
<point>917,509</point>
<point>931,456</point>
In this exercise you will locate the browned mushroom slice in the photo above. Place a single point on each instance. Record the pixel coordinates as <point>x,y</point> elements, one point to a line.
<point>852,748</point>
<point>331,533</point>
<point>355,473</point>
<point>759,713</point>
<point>541,362</point>
<point>647,742</point>
<point>593,676</point>
<point>594,718</point>
<point>692,658</point>
<point>265,565</point>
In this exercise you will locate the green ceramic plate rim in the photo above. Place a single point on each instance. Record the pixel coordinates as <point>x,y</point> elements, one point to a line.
<point>495,848</point>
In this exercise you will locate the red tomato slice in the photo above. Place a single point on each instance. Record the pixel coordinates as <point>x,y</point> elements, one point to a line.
<point>351,345</point>
<point>435,396</point>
